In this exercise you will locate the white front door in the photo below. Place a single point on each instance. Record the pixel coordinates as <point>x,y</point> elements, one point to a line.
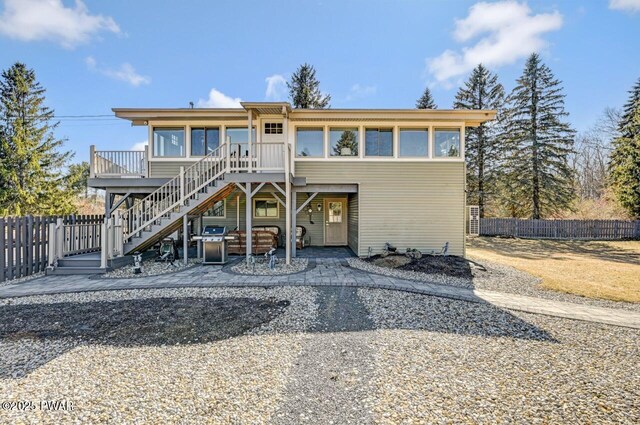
<point>335,221</point>
<point>270,150</point>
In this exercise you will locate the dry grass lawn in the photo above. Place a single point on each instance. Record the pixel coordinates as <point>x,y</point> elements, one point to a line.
<point>596,269</point>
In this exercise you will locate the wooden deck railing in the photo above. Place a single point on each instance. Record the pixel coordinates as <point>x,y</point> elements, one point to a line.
<point>118,163</point>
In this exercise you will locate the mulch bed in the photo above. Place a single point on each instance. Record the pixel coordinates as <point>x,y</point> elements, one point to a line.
<point>450,265</point>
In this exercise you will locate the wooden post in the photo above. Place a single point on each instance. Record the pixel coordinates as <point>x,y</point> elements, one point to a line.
<point>248,218</point>
<point>287,194</point>
<point>228,152</point>
<point>92,161</point>
<point>250,137</point>
<point>182,189</point>
<point>185,240</point>
<point>294,219</point>
<point>104,244</point>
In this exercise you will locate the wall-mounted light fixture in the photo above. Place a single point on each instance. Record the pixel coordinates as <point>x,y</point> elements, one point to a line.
<point>319,207</point>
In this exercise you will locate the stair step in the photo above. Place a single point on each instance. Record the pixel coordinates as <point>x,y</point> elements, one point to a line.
<point>79,262</point>
<point>76,270</point>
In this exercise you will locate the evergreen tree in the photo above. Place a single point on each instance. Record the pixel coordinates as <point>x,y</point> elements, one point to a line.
<point>538,144</point>
<point>348,141</point>
<point>624,163</point>
<point>77,179</point>
<point>481,91</point>
<point>304,89</point>
<point>426,100</point>
<point>31,181</point>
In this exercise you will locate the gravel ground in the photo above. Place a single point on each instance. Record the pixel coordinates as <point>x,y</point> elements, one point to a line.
<point>445,361</point>
<point>309,355</point>
<point>119,356</point>
<point>151,268</point>
<point>493,277</point>
<point>261,267</point>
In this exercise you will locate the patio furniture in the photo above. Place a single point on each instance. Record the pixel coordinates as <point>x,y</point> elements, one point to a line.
<point>300,240</point>
<point>272,229</point>
<point>261,240</point>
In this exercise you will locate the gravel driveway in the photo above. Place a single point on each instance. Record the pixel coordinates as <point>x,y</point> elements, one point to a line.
<point>308,355</point>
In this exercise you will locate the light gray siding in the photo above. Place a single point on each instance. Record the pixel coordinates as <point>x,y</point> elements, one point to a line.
<point>410,204</point>
<point>167,168</point>
<point>352,221</point>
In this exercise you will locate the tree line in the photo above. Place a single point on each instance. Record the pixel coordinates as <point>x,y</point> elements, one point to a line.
<point>529,162</point>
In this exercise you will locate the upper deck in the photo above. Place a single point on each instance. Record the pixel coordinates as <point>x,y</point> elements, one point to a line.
<point>282,136</point>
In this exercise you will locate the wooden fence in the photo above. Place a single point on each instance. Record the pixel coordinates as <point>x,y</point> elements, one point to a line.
<point>24,242</point>
<point>560,229</point>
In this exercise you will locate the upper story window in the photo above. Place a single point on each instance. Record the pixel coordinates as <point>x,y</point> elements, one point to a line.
<point>447,142</point>
<point>240,134</point>
<point>168,142</point>
<point>309,142</point>
<point>378,142</point>
<point>204,140</point>
<point>414,142</point>
<point>273,128</point>
<point>343,141</point>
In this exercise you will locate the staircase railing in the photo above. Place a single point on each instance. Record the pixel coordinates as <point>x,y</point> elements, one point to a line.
<point>175,192</point>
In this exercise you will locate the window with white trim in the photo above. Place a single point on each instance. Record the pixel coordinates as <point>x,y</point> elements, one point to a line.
<point>265,208</point>
<point>168,142</point>
<point>446,142</point>
<point>378,142</point>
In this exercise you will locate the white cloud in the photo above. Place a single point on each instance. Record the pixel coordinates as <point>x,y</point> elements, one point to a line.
<point>140,146</point>
<point>505,31</point>
<point>125,72</point>
<point>32,20</point>
<point>358,91</point>
<point>276,87</point>
<point>626,5</point>
<point>217,99</point>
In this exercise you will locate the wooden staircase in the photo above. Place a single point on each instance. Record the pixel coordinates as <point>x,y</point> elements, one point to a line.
<point>193,191</point>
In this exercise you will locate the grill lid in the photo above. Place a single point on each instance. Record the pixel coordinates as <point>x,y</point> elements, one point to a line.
<point>214,231</point>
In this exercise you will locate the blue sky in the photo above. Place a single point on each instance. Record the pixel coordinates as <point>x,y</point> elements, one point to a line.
<point>95,55</point>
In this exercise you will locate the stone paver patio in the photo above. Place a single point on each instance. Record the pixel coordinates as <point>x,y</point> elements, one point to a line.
<point>322,272</point>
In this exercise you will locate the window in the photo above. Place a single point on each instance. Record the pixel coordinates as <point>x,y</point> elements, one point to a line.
<point>168,142</point>
<point>265,208</point>
<point>335,212</point>
<point>204,140</point>
<point>414,142</point>
<point>343,142</point>
<point>309,142</point>
<point>240,134</point>
<point>273,128</point>
<point>447,142</point>
<point>378,142</point>
<point>218,210</point>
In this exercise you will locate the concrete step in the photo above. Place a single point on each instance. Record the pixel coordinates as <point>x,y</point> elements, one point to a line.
<point>75,270</point>
<point>79,262</point>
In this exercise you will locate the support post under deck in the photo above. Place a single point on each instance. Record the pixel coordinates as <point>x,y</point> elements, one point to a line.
<point>185,240</point>
<point>249,216</point>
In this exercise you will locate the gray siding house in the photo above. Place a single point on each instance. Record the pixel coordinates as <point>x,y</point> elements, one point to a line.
<point>350,177</point>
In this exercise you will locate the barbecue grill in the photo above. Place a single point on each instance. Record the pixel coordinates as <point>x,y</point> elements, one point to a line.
<point>214,244</point>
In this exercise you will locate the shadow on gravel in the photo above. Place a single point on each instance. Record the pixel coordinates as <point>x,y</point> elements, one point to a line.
<point>34,334</point>
<point>340,309</point>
